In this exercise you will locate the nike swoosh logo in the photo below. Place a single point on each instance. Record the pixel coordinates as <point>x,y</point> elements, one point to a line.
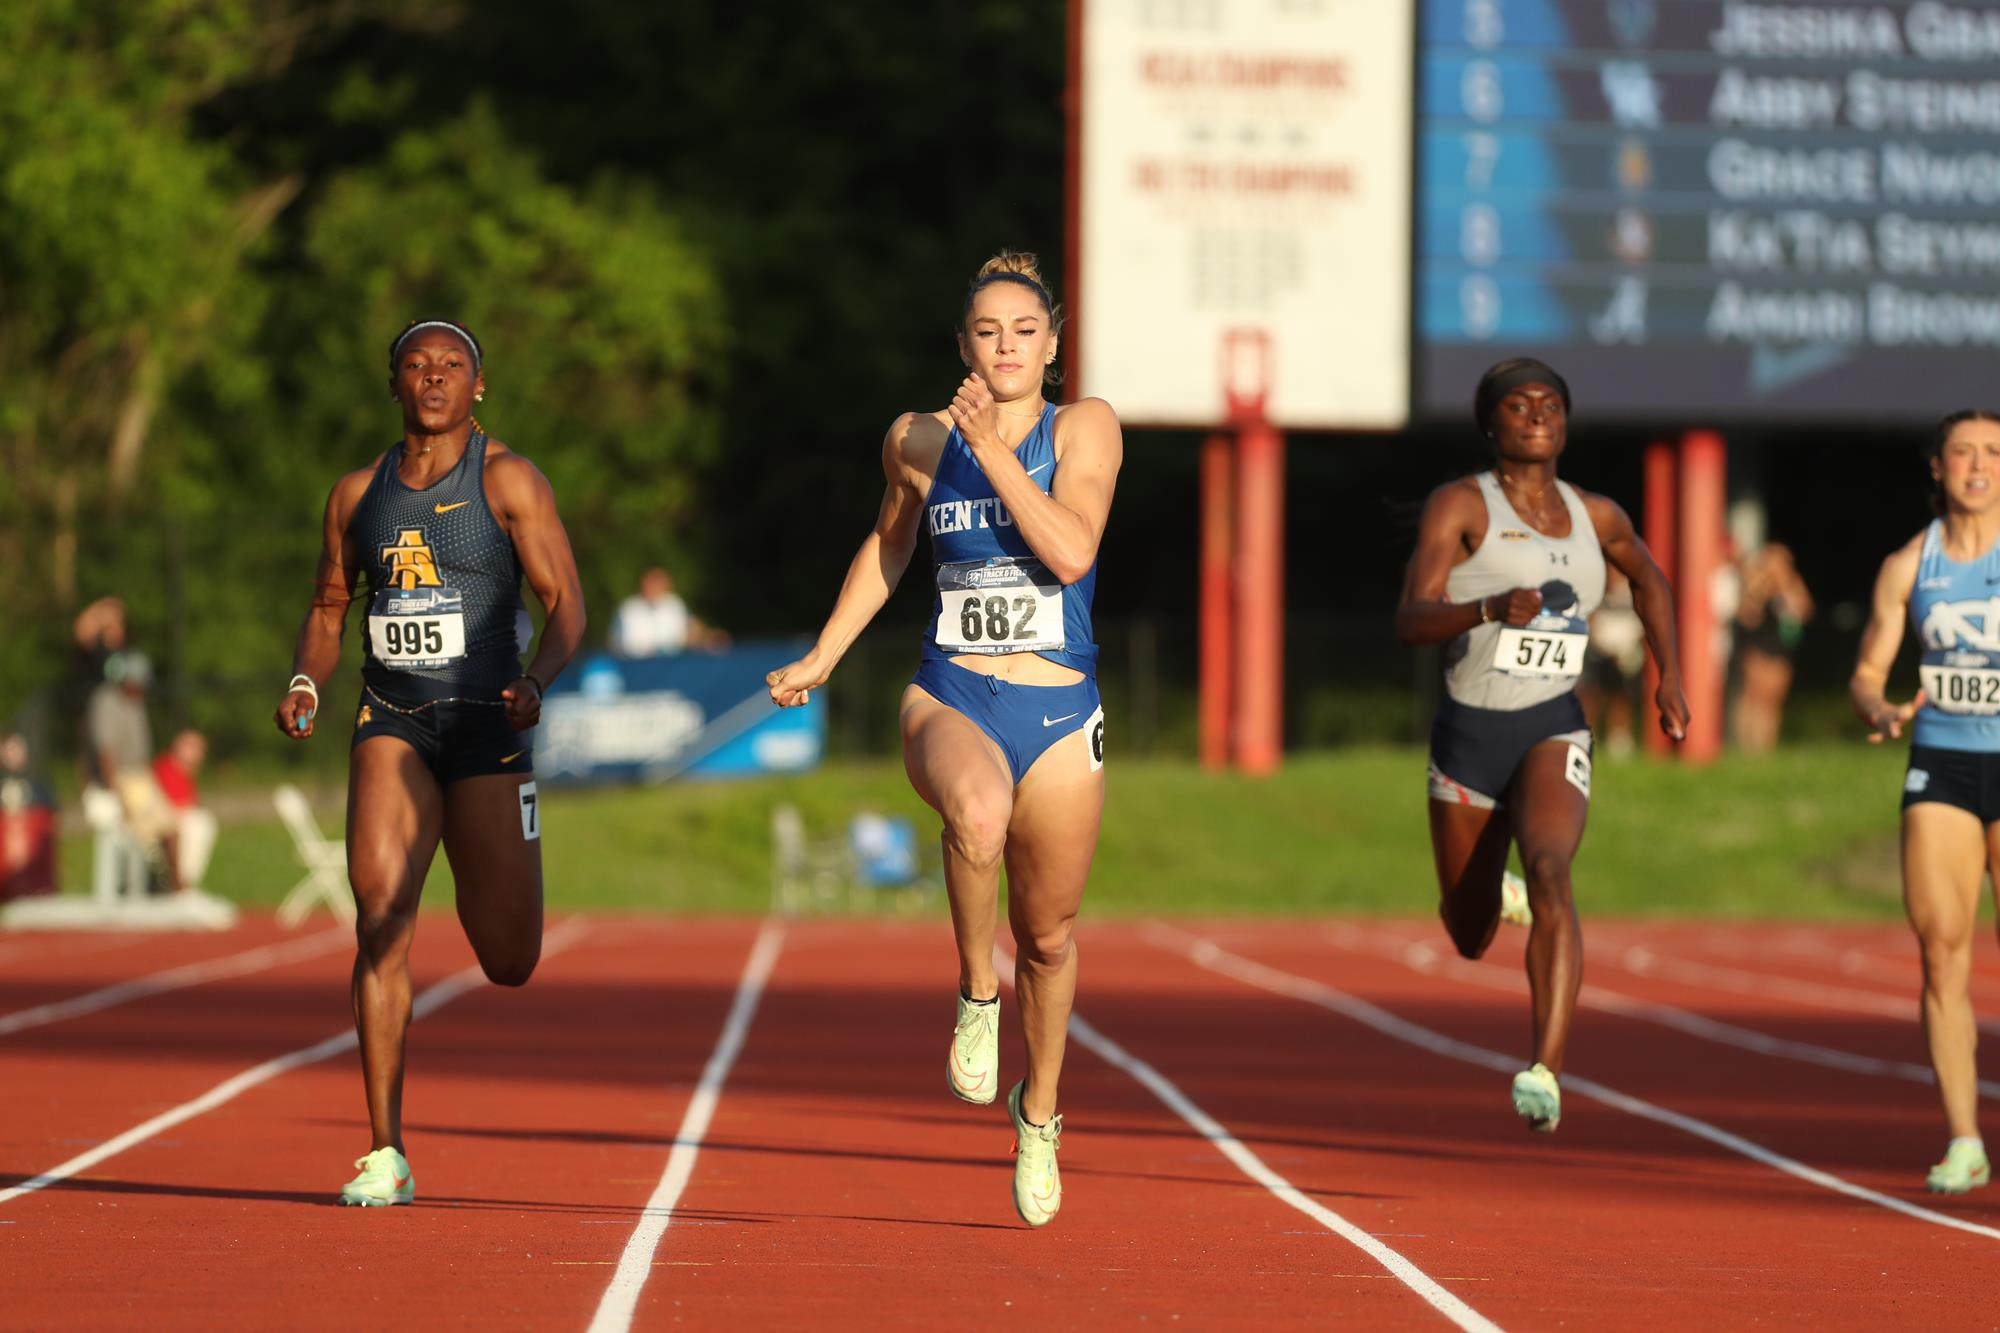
<point>401,1181</point>
<point>512,757</point>
<point>1033,470</point>
<point>446,509</point>
<point>1048,721</point>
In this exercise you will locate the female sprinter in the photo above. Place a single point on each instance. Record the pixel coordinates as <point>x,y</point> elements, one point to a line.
<point>1002,730</point>
<point>1508,567</point>
<point>1942,581</point>
<point>444,525</point>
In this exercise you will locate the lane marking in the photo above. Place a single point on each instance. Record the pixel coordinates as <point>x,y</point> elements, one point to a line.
<point>1432,961</point>
<point>176,978</point>
<point>621,1298</point>
<point>1644,962</point>
<point>429,1002</point>
<point>1253,1166</point>
<point>1213,957</point>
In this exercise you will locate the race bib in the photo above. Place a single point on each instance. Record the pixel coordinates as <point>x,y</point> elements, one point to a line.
<point>416,630</point>
<point>1547,647</point>
<point>1008,604</point>
<point>1962,681</point>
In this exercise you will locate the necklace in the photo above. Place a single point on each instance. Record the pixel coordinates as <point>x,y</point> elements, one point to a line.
<point>1538,497</point>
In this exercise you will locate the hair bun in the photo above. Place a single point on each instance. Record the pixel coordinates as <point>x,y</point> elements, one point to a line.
<point>1012,261</point>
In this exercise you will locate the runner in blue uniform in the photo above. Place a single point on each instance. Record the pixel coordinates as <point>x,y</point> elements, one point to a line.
<point>1942,582</point>
<point>1002,730</point>
<point>1508,567</point>
<point>444,526</point>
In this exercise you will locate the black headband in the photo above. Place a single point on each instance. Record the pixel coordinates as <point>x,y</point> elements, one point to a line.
<point>1493,388</point>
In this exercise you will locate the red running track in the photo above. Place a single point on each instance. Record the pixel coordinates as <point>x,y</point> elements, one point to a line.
<point>839,1185</point>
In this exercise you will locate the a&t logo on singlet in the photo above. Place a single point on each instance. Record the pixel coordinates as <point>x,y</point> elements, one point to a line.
<point>1963,624</point>
<point>410,563</point>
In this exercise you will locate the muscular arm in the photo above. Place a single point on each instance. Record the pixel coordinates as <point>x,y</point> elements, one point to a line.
<point>1453,521</point>
<point>317,652</point>
<point>1652,598</point>
<point>525,505</point>
<point>877,567</point>
<point>1887,614</point>
<point>1063,526</point>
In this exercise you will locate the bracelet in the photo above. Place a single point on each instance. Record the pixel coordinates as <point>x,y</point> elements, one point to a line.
<point>1483,617</point>
<point>303,682</point>
<point>540,689</point>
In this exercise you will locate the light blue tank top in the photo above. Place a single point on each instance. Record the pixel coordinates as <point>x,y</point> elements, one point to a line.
<point>1955,611</point>
<point>993,595</point>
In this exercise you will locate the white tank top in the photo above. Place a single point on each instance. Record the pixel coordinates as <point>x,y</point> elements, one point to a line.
<point>1512,667</point>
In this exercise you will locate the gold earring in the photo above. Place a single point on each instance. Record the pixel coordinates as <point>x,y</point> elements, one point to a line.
<point>479,397</point>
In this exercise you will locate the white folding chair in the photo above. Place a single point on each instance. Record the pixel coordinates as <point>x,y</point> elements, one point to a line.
<point>324,858</point>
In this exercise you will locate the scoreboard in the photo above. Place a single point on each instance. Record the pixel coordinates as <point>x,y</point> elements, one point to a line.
<point>1708,209</point>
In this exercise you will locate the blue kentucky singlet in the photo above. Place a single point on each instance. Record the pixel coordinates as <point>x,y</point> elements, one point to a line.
<point>1955,611</point>
<point>444,583</point>
<point>993,595</point>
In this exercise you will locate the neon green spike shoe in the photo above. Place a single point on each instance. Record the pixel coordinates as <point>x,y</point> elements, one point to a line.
<point>1537,1098</point>
<point>1037,1182</point>
<point>972,1067</point>
<point>1514,908</point>
<point>1964,1168</point>
<point>385,1179</point>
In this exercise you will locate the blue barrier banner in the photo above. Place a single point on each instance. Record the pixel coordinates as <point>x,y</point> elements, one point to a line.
<point>652,719</point>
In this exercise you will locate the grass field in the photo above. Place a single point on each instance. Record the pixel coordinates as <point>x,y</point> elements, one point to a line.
<point>1808,832</point>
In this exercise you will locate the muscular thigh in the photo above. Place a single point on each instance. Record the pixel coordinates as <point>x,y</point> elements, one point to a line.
<point>1469,844</point>
<point>949,759</point>
<point>395,814</point>
<point>1945,853</point>
<point>1052,837</point>
<point>1550,799</point>
<point>492,836</point>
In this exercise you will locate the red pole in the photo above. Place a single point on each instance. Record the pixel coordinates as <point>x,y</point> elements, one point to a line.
<point>1661,504</point>
<point>1704,520</point>
<point>1260,595</point>
<point>1218,496</point>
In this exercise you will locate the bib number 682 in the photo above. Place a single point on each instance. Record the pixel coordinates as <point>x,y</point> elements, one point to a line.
<point>996,619</point>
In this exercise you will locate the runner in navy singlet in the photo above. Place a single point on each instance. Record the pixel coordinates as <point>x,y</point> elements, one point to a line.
<point>1508,566</point>
<point>1002,730</point>
<point>444,527</point>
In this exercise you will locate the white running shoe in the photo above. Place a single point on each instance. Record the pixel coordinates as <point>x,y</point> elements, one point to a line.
<point>385,1179</point>
<point>972,1067</point>
<point>1037,1182</point>
<point>1538,1098</point>
<point>1514,908</point>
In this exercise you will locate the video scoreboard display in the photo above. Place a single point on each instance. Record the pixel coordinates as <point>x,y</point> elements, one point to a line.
<point>1717,211</point>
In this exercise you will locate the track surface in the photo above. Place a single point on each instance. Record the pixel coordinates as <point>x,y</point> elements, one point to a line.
<point>838,1185</point>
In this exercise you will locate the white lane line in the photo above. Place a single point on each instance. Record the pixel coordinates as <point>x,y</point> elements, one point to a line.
<point>1215,958</point>
<point>1642,961</point>
<point>1432,961</point>
<point>429,1002</point>
<point>177,978</point>
<point>621,1298</point>
<point>1253,1166</point>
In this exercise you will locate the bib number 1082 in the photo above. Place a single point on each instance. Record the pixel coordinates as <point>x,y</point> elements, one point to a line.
<point>994,618</point>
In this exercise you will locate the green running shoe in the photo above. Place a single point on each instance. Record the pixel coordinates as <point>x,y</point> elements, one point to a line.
<point>385,1179</point>
<point>1514,908</point>
<point>1964,1168</point>
<point>972,1067</point>
<point>1537,1098</point>
<point>1037,1182</point>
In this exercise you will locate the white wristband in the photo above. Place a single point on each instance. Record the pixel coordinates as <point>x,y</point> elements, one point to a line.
<point>303,682</point>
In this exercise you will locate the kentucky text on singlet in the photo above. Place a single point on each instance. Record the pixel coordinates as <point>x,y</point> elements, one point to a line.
<point>1510,667</point>
<point>1955,612</point>
<point>443,583</point>
<point>993,595</point>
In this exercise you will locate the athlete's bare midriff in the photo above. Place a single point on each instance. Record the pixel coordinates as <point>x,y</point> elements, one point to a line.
<point>1019,668</point>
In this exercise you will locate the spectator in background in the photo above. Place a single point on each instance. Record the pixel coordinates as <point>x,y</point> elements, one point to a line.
<point>655,622</point>
<point>118,760</point>
<point>1770,617</point>
<point>27,824</point>
<point>1617,657</point>
<point>193,828</point>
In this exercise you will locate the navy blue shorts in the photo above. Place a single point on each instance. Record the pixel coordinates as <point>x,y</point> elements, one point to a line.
<point>1968,779</point>
<point>455,738</point>
<point>1023,720</point>
<point>1475,751</point>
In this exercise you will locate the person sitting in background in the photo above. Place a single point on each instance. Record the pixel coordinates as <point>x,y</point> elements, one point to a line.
<point>1769,620</point>
<point>118,759</point>
<point>655,622</point>
<point>27,824</point>
<point>193,827</point>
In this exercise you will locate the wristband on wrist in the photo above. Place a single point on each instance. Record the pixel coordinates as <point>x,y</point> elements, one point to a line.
<point>1483,616</point>
<point>540,689</point>
<point>302,683</point>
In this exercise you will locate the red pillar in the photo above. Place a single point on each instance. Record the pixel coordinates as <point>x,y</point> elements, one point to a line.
<point>1662,504</point>
<point>1260,596</point>
<point>1704,521</point>
<point>1218,649</point>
